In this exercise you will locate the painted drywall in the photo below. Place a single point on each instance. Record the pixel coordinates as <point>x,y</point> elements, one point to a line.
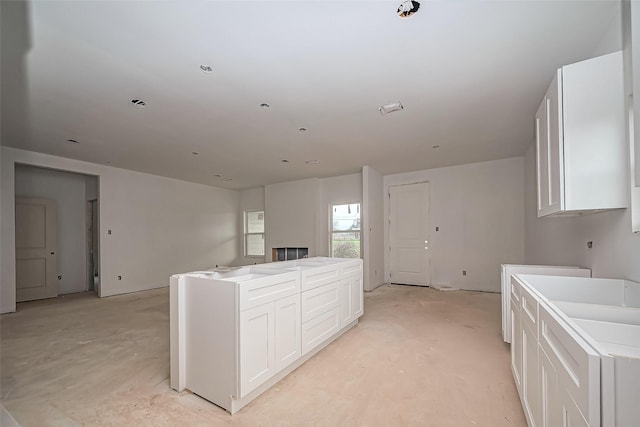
<point>335,191</point>
<point>297,212</point>
<point>250,200</point>
<point>290,215</point>
<point>68,190</point>
<point>159,226</point>
<point>372,228</point>
<point>563,240</point>
<point>479,209</point>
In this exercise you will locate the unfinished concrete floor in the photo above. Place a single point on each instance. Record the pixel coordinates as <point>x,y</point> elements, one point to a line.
<point>418,357</point>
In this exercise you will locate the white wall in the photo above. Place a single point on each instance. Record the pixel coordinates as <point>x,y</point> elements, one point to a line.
<point>68,190</point>
<point>297,212</point>
<point>250,200</point>
<point>372,228</point>
<point>479,209</point>
<point>563,241</point>
<point>290,215</point>
<point>160,226</point>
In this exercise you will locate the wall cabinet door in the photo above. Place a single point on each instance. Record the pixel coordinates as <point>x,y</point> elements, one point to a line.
<point>549,150</point>
<point>287,336</point>
<point>257,349</point>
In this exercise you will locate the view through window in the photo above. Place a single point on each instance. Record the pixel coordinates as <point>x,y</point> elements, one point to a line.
<point>345,231</point>
<point>254,233</point>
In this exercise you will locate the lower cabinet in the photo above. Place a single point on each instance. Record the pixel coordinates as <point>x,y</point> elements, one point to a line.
<point>351,299</point>
<point>549,402</point>
<point>269,341</point>
<point>516,344</point>
<point>257,350</point>
<point>556,372</point>
<point>288,343</point>
<point>530,380</point>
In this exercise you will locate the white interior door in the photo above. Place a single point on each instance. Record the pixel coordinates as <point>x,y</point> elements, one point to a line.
<point>36,247</point>
<point>409,261</point>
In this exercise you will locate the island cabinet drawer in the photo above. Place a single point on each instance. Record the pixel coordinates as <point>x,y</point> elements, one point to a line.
<point>255,293</point>
<point>320,300</point>
<point>318,330</point>
<point>576,363</point>
<point>316,277</point>
<point>529,309</point>
<point>352,268</point>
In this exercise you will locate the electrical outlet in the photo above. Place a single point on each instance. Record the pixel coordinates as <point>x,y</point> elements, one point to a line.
<point>464,272</point>
<point>59,277</point>
<point>437,228</point>
<point>589,245</point>
<point>108,231</point>
<point>119,277</point>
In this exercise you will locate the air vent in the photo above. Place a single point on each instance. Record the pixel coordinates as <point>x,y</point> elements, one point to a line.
<point>138,103</point>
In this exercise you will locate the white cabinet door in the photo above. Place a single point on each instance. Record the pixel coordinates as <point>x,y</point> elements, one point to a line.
<point>549,150</point>
<point>351,300</point>
<point>257,349</point>
<point>287,342</point>
<point>516,342</point>
<point>530,374</point>
<point>550,411</point>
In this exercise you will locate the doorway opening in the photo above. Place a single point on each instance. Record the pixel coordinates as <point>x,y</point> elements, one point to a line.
<point>68,237</point>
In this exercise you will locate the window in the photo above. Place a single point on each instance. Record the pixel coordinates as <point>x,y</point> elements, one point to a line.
<point>254,233</point>
<point>345,231</point>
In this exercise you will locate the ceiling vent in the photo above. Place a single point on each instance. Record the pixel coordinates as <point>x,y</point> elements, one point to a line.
<point>390,108</point>
<point>138,103</point>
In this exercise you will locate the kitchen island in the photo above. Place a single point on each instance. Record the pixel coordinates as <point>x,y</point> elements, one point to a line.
<point>237,331</point>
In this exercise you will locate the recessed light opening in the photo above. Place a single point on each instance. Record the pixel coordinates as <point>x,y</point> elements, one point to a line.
<point>284,161</point>
<point>302,129</point>
<point>264,105</point>
<point>436,146</point>
<point>206,68</point>
<point>195,153</point>
<point>312,162</point>
<point>72,141</point>
<point>390,108</point>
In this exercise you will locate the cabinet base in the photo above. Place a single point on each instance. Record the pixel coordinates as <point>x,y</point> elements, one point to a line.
<point>233,404</point>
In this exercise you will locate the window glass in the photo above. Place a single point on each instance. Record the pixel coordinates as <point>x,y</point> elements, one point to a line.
<point>345,231</point>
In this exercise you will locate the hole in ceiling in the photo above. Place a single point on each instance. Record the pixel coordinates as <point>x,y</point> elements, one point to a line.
<point>312,162</point>
<point>264,105</point>
<point>284,161</point>
<point>195,153</point>
<point>72,141</point>
<point>436,146</point>
<point>206,68</point>
<point>408,8</point>
<point>218,175</point>
<point>226,179</point>
<point>302,129</point>
<point>390,108</point>
<point>138,103</point>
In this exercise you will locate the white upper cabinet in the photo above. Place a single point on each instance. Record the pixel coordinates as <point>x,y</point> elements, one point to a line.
<point>580,139</point>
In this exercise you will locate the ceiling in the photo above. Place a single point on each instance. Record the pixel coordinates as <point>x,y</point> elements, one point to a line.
<point>469,74</point>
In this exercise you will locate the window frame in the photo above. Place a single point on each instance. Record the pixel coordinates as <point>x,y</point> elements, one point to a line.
<point>332,231</point>
<point>246,233</point>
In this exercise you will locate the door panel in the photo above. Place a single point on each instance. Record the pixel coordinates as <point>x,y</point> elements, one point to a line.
<point>36,240</point>
<point>257,349</point>
<point>288,336</point>
<point>409,234</point>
